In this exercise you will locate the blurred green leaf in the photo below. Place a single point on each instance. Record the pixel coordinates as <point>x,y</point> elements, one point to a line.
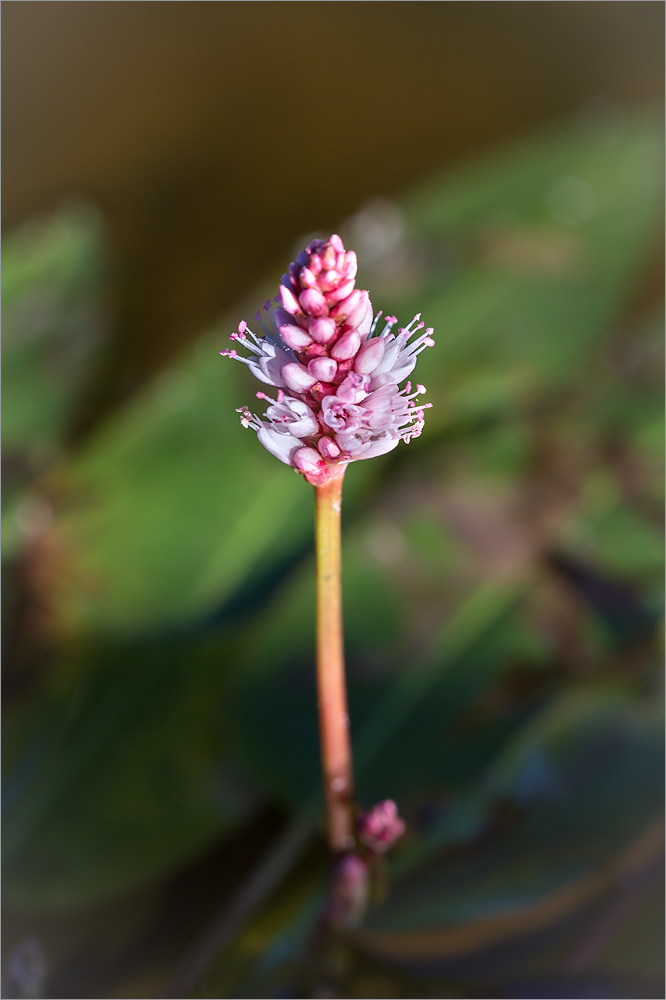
<point>51,285</point>
<point>116,775</point>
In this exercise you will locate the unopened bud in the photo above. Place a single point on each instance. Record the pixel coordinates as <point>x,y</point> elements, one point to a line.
<point>380,827</point>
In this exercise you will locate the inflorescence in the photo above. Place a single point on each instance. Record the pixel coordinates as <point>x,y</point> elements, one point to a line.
<point>336,374</point>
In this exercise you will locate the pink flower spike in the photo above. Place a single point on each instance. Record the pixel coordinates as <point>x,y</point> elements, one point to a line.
<point>336,376</point>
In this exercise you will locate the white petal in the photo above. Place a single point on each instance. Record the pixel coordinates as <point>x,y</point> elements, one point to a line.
<point>283,446</point>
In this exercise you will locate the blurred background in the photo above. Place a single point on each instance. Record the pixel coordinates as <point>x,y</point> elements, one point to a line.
<point>497,167</point>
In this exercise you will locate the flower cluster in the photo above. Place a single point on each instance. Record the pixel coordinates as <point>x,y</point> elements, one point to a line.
<point>336,373</point>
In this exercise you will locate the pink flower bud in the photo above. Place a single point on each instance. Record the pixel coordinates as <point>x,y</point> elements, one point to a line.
<point>295,337</point>
<point>315,263</point>
<point>308,460</point>
<point>337,243</point>
<point>346,347</point>
<point>307,278</point>
<point>328,280</point>
<point>323,330</point>
<point>369,356</point>
<point>323,369</point>
<point>329,257</point>
<point>351,265</point>
<point>328,448</point>
<point>342,291</point>
<point>350,891</point>
<point>355,311</point>
<point>380,827</point>
<point>313,302</point>
<point>289,301</point>
<point>297,377</point>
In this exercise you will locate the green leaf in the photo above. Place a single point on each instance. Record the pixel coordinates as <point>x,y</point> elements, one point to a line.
<point>117,774</point>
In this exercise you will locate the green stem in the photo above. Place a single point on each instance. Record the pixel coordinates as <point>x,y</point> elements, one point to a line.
<point>331,685</point>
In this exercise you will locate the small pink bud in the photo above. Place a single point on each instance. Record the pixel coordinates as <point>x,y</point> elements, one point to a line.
<point>328,280</point>
<point>295,337</point>
<point>337,243</point>
<point>329,257</point>
<point>297,377</point>
<point>287,297</point>
<point>308,460</point>
<point>315,263</point>
<point>351,265</point>
<point>380,827</point>
<point>313,302</point>
<point>328,448</point>
<point>346,347</point>
<point>355,311</point>
<point>342,291</point>
<point>369,356</point>
<point>307,278</point>
<point>350,890</point>
<point>323,369</point>
<point>323,330</point>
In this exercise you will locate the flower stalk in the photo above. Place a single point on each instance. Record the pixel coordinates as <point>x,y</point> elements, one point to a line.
<point>335,371</point>
<point>331,684</point>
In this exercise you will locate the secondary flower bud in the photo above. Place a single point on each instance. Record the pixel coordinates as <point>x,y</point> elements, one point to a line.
<point>380,827</point>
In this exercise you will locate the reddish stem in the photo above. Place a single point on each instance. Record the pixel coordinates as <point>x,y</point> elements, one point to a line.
<point>331,686</point>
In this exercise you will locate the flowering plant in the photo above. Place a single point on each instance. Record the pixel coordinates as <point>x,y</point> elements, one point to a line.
<point>336,373</point>
<point>338,400</point>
